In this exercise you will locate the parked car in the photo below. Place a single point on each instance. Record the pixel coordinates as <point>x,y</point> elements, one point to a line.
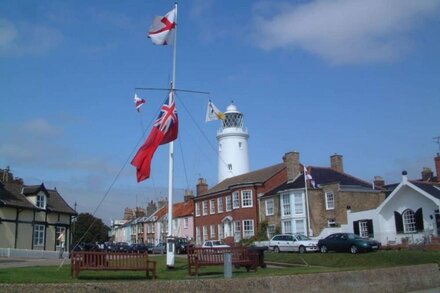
<point>347,242</point>
<point>140,247</point>
<point>160,248</point>
<point>122,247</point>
<point>214,244</point>
<point>182,245</point>
<point>297,242</point>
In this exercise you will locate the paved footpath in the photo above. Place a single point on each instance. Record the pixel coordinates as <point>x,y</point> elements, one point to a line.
<point>17,262</point>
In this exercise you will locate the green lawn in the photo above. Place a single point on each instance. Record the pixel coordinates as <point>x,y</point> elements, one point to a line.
<point>302,264</point>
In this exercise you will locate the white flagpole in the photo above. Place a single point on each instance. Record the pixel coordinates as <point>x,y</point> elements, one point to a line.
<point>170,243</point>
<point>307,202</point>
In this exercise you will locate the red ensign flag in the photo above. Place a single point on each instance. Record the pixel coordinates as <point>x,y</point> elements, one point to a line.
<point>164,130</point>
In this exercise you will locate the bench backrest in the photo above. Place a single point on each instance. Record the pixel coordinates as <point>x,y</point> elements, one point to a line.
<point>95,259</point>
<point>215,255</point>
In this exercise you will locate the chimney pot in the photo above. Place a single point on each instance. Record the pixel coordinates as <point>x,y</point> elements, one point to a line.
<point>291,160</point>
<point>379,183</point>
<point>437,166</point>
<point>336,163</point>
<point>201,187</point>
<point>427,174</point>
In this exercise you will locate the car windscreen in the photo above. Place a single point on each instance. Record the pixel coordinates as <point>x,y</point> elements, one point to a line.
<point>302,237</point>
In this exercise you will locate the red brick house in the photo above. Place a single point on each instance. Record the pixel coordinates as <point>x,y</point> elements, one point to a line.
<point>229,210</point>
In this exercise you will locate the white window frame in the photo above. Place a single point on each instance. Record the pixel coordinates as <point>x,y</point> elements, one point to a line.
<point>270,207</point>
<point>228,203</point>
<point>298,203</point>
<point>205,207</point>
<point>205,233</point>
<point>247,199</point>
<point>197,209</point>
<point>285,204</point>
<point>237,231</point>
<point>300,226</point>
<point>332,223</point>
<point>270,231</point>
<point>221,233</point>
<point>212,231</point>
<point>185,223</point>
<point>409,221</point>
<point>39,231</point>
<point>198,236</point>
<point>212,206</point>
<point>248,229</point>
<point>235,200</point>
<point>220,205</point>
<point>363,229</point>
<point>287,226</point>
<point>40,201</point>
<point>329,200</point>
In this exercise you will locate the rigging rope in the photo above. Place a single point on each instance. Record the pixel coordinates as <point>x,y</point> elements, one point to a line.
<point>116,178</point>
<point>214,149</point>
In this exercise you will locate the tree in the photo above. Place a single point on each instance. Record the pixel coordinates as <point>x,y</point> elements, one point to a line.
<point>98,231</point>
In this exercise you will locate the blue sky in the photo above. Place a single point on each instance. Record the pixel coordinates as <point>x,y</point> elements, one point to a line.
<point>357,78</point>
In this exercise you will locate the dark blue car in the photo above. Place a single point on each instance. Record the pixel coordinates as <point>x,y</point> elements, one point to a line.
<point>347,242</point>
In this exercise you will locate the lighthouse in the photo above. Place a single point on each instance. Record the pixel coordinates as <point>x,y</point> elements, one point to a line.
<point>232,140</point>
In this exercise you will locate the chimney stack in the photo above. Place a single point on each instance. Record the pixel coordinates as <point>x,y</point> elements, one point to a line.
<point>291,160</point>
<point>437,166</point>
<point>427,174</point>
<point>379,183</point>
<point>201,187</point>
<point>336,163</point>
<point>189,195</point>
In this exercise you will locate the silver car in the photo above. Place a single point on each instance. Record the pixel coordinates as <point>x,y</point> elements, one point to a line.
<point>288,242</point>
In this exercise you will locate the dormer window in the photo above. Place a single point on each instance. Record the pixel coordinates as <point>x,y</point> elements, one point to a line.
<point>41,201</point>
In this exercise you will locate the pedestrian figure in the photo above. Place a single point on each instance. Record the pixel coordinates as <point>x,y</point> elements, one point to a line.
<point>61,239</point>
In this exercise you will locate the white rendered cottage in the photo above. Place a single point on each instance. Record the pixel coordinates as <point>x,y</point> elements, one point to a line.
<point>410,213</point>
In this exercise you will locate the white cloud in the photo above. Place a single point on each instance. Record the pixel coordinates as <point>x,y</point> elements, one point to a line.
<point>344,31</point>
<point>41,128</point>
<point>27,38</point>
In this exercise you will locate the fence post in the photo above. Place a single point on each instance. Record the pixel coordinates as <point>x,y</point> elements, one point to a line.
<point>227,259</point>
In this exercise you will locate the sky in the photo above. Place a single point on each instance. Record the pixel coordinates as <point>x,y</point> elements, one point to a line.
<point>352,77</point>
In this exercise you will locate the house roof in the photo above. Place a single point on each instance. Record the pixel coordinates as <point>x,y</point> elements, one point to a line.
<point>425,188</point>
<point>180,209</point>
<point>11,195</point>
<point>34,189</point>
<point>183,209</point>
<point>325,175</point>
<point>322,176</point>
<point>431,188</point>
<point>256,177</point>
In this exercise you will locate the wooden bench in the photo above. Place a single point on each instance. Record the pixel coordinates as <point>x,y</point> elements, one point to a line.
<point>241,256</point>
<point>111,261</point>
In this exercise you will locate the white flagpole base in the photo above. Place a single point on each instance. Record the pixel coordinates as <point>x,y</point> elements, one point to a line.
<point>170,253</point>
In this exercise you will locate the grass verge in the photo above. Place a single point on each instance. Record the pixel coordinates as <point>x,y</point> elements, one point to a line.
<point>305,264</point>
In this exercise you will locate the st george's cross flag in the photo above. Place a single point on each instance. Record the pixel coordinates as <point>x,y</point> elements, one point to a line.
<point>308,177</point>
<point>138,102</point>
<point>165,130</point>
<point>213,113</point>
<point>162,30</point>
